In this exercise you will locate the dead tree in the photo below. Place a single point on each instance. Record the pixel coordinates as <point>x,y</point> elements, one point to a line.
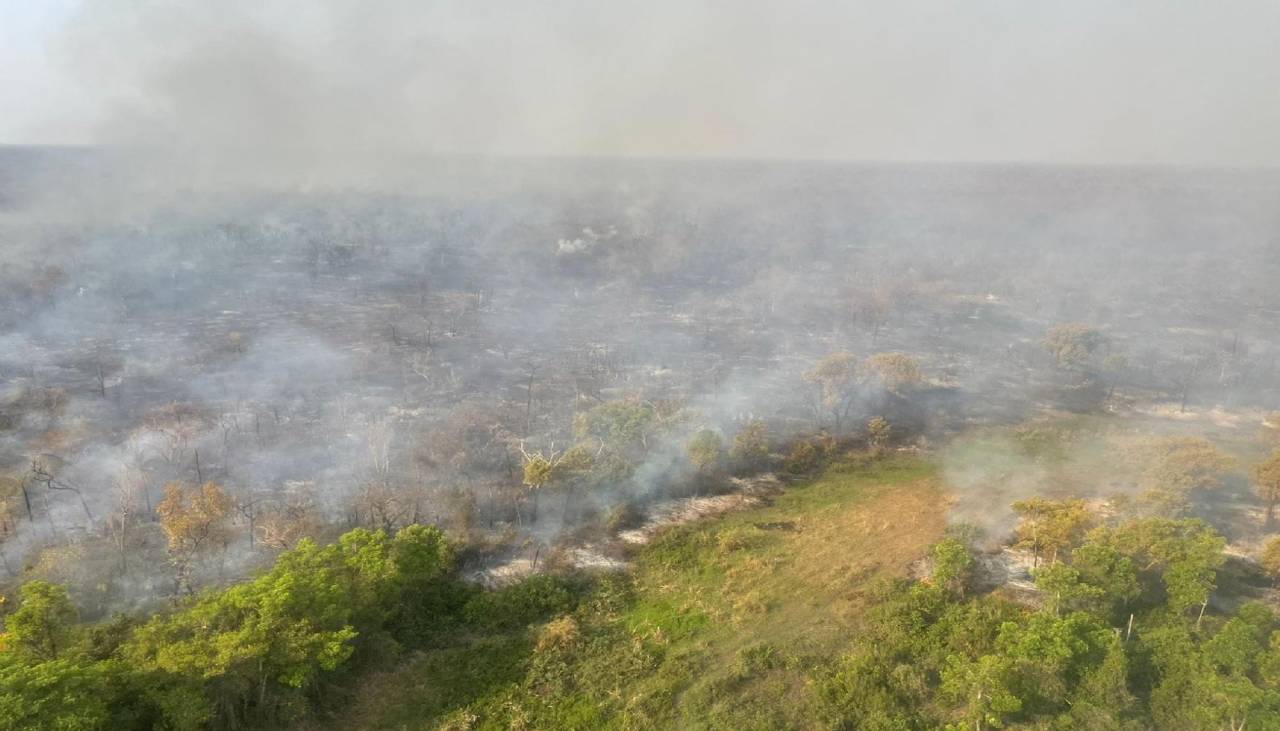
<point>42,473</point>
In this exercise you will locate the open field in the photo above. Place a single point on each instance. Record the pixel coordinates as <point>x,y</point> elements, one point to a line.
<point>722,624</point>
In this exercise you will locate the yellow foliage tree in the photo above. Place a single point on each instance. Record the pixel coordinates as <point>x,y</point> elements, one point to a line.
<point>751,445</point>
<point>878,431</point>
<point>540,470</point>
<point>1270,559</point>
<point>897,371</point>
<point>1051,526</point>
<point>1072,345</point>
<point>1189,463</point>
<point>192,519</point>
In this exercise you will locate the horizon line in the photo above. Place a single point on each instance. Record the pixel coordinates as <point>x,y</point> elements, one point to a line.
<point>738,159</point>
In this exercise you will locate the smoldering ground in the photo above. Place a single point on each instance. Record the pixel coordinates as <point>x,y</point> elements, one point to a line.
<point>293,263</point>
<point>302,331</point>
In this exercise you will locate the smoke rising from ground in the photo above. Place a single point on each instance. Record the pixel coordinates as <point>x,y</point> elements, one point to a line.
<point>326,256</point>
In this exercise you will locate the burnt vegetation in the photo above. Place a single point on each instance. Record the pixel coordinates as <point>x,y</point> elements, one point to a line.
<point>256,446</point>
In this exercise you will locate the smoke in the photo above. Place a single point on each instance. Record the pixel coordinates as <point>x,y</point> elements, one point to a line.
<point>314,93</point>
<point>309,237</point>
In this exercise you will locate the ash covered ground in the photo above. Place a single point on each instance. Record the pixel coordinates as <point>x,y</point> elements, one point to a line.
<point>339,357</point>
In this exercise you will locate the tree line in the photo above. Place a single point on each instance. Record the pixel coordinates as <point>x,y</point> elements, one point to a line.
<point>1120,640</point>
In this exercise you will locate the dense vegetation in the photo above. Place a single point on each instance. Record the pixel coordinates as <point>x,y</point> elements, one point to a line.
<point>795,614</point>
<point>258,651</point>
<point>747,623</point>
<point>1119,643</point>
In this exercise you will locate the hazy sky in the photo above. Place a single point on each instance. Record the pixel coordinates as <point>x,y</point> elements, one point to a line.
<point>1079,81</point>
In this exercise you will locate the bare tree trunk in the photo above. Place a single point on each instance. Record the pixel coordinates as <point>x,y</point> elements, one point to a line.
<point>528,403</point>
<point>26,499</point>
<point>85,504</point>
<point>124,543</point>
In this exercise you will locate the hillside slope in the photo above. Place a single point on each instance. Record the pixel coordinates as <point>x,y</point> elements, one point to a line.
<point>720,624</point>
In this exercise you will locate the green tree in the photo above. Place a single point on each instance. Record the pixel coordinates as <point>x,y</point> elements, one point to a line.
<point>864,694</point>
<point>802,458</point>
<point>751,445</point>
<point>1186,553</point>
<point>63,695</point>
<point>45,620</point>
<point>1112,574</point>
<point>1073,345</point>
<point>1235,647</point>
<point>1048,655</point>
<point>1064,588</point>
<point>624,426</point>
<point>256,650</point>
<point>983,687</point>
<point>563,470</point>
<point>1270,559</point>
<point>1232,701</point>
<point>704,450</point>
<point>1266,483</point>
<point>952,565</point>
<point>1051,526</point>
<point>1177,467</point>
<point>1102,699</point>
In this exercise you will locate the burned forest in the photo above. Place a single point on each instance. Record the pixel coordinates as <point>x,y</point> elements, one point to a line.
<point>676,366</point>
<point>332,362</point>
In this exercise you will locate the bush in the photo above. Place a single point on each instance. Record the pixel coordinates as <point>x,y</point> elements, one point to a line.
<point>803,458</point>
<point>562,633</point>
<point>253,653</point>
<point>758,659</point>
<point>624,516</point>
<point>952,565</point>
<point>522,604</point>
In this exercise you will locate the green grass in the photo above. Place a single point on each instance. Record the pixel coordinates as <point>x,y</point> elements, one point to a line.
<point>720,625</point>
<point>727,623</point>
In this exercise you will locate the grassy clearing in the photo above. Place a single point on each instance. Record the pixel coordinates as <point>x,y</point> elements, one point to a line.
<point>721,624</point>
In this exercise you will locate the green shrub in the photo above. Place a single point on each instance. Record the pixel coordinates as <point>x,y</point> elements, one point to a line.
<point>803,458</point>
<point>253,653</point>
<point>519,605</point>
<point>758,659</point>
